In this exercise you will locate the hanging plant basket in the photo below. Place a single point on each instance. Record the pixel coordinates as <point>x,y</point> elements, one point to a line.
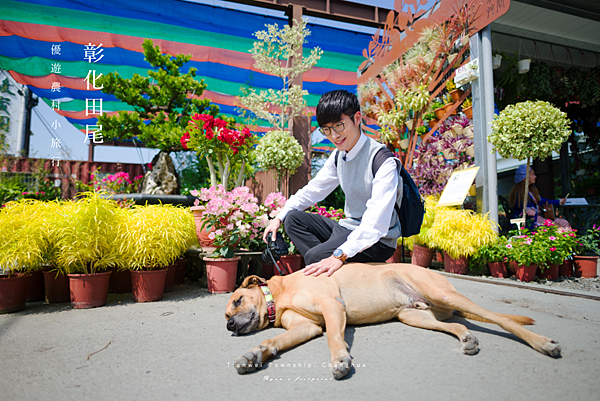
<point>497,61</point>
<point>524,65</point>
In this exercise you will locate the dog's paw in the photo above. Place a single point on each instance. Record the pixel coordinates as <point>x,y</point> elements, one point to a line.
<point>550,348</point>
<point>469,344</point>
<point>249,362</point>
<point>341,367</point>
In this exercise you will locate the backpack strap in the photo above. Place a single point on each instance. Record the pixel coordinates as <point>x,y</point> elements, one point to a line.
<point>381,156</point>
<point>337,156</point>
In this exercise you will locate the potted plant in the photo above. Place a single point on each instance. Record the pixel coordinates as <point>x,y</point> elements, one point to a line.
<point>467,108</point>
<point>231,215</point>
<point>496,256</point>
<point>21,250</point>
<point>422,251</point>
<point>438,109</point>
<point>586,260</point>
<point>569,244</point>
<point>279,151</point>
<point>459,233</point>
<point>455,93</point>
<point>431,119</point>
<point>529,130</point>
<point>448,103</point>
<point>151,238</point>
<point>86,242</point>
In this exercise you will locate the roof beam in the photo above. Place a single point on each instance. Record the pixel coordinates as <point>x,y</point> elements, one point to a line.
<point>338,10</point>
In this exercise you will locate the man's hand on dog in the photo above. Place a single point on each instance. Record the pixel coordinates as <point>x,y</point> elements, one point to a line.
<point>327,266</point>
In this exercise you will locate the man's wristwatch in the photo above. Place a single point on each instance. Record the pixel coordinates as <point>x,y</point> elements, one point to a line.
<point>339,254</point>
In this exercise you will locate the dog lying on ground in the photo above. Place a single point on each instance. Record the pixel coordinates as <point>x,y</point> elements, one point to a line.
<point>358,294</point>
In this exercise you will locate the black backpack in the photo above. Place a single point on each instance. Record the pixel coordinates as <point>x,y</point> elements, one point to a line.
<point>411,206</point>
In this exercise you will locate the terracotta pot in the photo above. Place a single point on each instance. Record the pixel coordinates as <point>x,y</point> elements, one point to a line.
<point>292,262</point>
<point>469,113</point>
<point>120,281</point>
<point>511,269</point>
<point>448,107</point>
<point>396,257</point>
<point>550,272</point>
<point>13,292</point>
<point>221,274</point>
<point>180,267</point>
<point>566,268</point>
<point>89,290</point>
<point>56,287</point>
<point>170,278</point>
<point>525,273</point>
<point>456,94</point>
<point>267,271</point>
<point>422,256</point>
<point>148,285</point>
<point>36,287</point>
<point>585,266</point>
<point>433,122</point>
<point>498,269</point>
<point>201,233</point>
<point>457,266</point>
<point>440,113</point>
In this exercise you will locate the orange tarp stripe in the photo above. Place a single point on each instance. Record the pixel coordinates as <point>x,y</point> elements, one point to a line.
<point>48,33</point>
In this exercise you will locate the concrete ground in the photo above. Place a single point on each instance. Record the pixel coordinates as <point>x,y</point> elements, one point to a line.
<point>179,348</point>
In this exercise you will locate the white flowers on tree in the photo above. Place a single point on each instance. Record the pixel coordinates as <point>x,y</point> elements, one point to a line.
<point>528,130</point>
<point>281,152</point>
<point>273,53</point>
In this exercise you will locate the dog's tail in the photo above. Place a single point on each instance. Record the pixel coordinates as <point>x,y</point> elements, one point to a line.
<point>522,320</point>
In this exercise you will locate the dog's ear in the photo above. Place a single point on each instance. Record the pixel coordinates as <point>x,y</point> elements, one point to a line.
<point>252,280</point>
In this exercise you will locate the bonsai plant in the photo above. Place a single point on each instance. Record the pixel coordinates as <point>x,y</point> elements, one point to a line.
<point>151,238</point>
<point>529,130</point>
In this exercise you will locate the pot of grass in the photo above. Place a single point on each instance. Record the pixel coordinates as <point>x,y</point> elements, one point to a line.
<point>86,242</point>
<point>22,247</point>
<point>151,239</point>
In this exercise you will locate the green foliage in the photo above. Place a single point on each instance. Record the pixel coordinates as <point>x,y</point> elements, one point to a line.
<point>163,97</point>
<point>85,234</point>
<point>280,152</point>
<point>154,236</point>
<point>10,189</point>
<point>193,172</point>
<point>589,244</point>
<point>22,242</point>
<point>494,252</point>
<point>529,129</point>
<point>467,103</point>
<point>436,105</point>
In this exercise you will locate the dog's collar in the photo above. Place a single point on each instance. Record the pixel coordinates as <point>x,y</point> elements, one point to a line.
<point>270,302</point>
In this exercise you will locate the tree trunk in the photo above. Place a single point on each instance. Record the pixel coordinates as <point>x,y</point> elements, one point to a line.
<point>526,190</point>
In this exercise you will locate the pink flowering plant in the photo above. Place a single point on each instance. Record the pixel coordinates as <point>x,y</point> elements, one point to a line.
<point>118,183</point>
<point>232,214</point>
<point>543,246</point>
<point>226,150</point>
<point>331,213</point>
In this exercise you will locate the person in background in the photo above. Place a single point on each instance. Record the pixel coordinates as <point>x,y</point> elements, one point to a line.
<point>535,203</point>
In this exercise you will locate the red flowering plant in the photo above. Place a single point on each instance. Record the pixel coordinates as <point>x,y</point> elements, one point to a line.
<point>226,150</point>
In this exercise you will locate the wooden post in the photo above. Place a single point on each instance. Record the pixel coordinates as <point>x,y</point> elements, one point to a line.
<point>300,126</point>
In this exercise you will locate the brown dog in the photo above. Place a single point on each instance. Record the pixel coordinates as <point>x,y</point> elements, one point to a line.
<point>359,294</point>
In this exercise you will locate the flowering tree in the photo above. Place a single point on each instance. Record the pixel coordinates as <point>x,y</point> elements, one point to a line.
<point>527,130</point>
<point>273,53</point>
<point>212,138</point>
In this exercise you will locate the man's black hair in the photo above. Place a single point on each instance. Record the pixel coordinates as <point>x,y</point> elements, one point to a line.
<point>333,104</point>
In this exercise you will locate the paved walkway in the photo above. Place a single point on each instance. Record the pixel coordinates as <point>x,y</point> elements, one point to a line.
<point>179,348</point>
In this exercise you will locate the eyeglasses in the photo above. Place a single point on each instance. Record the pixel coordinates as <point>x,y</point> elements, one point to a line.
<point>338,127</point>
